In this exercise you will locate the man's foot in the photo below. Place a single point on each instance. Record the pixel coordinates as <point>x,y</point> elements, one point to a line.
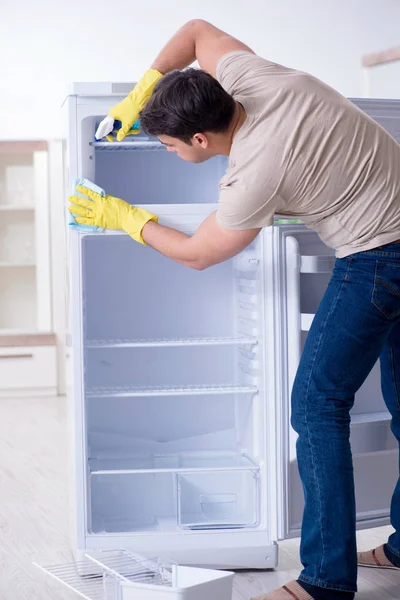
<point>290,591</point>
<point>375,559</point>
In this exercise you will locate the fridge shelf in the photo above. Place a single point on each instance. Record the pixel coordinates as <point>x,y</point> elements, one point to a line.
<point>126,146</point>
<point>374,417</point>
<point>178,463</point>
<point>132,392</point>
<point>167,342</point>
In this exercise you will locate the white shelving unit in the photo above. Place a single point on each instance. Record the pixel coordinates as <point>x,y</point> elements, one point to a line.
<point>25,279</point>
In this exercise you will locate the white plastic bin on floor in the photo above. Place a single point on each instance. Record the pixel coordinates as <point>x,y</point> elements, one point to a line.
<point>191,584</point>
<point>119,575</point>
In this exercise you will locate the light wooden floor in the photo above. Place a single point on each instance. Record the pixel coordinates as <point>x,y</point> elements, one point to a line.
<point>34,522</point>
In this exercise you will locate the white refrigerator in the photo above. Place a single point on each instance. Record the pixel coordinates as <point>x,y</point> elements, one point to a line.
<point>181,379</point>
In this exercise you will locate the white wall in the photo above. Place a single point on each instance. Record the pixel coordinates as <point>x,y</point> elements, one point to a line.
<point>45,44</point>
<point>384,80</point>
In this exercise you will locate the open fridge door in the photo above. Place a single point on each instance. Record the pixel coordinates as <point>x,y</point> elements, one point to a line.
<point>303,269</point>
<point>306,271</point>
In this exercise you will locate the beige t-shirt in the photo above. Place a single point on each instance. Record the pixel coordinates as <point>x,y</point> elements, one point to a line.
<point>306,151</point>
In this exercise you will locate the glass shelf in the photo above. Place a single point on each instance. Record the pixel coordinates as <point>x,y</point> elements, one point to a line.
<point>166,342</point>
<point>188,462</point>
<point>132,391</point>
<point>124,146</point>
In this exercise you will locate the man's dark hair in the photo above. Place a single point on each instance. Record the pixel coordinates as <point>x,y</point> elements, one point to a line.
<point>187,102</point>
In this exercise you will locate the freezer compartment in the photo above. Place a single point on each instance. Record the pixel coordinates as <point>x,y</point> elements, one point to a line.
<point>141,170</point>
<point>166,501</point>
<point>168,366</point>
<point>147,428</point>
<point>119,575</point>
<point>218,500</point>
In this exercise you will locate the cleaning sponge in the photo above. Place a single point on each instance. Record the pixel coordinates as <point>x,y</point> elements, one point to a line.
<point>92,186</point>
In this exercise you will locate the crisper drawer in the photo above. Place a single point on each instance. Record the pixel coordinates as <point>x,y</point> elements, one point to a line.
<point>167,500</point>
<point>219,499</point>
<point>25,368</point>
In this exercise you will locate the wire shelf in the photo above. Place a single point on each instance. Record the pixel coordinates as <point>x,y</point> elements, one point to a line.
<point>166,342</point>
<point>139,570</point>
<point>95,579</point>
<point>127,146</point>
<point>126,391</point>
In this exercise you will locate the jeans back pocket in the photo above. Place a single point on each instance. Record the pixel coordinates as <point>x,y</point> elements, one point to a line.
<point>386,291</point>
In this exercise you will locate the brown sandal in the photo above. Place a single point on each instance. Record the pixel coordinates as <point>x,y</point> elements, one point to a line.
<point>290,591</point>
<point>375,559</point>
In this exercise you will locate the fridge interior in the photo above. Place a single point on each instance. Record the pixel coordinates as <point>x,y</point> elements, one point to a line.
<point>142,171</point>
<point>173,366</point>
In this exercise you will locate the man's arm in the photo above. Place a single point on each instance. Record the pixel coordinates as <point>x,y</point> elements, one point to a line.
<point>196,40</point>
<point>209,245</point>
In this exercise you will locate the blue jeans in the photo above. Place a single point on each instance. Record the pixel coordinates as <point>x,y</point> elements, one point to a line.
<point>357,322</point>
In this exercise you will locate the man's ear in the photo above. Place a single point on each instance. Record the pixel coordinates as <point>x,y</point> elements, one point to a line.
<point>200,139</point>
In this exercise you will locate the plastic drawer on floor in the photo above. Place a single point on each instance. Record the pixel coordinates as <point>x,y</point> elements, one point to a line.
<point>122,576</point>
<point>218,499</point>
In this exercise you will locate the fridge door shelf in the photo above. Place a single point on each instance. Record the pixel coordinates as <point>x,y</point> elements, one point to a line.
<point>168,342</point>
<point>127,146</point>
<point>305,321</point>
<point>316,264</point>
<point>122,576</point>
<point>188,462</point>
<point>132,392</point>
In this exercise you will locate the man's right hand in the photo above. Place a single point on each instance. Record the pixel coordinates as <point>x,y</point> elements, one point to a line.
<point>127,111</point>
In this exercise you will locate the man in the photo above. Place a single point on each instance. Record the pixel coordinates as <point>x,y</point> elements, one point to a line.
<point>296,147</point>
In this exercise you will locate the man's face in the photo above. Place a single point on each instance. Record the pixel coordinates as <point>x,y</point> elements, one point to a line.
<point>195,152</point>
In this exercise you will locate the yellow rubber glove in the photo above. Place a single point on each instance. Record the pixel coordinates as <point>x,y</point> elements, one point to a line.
<point>109,212</point>
<point>128,110</point>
